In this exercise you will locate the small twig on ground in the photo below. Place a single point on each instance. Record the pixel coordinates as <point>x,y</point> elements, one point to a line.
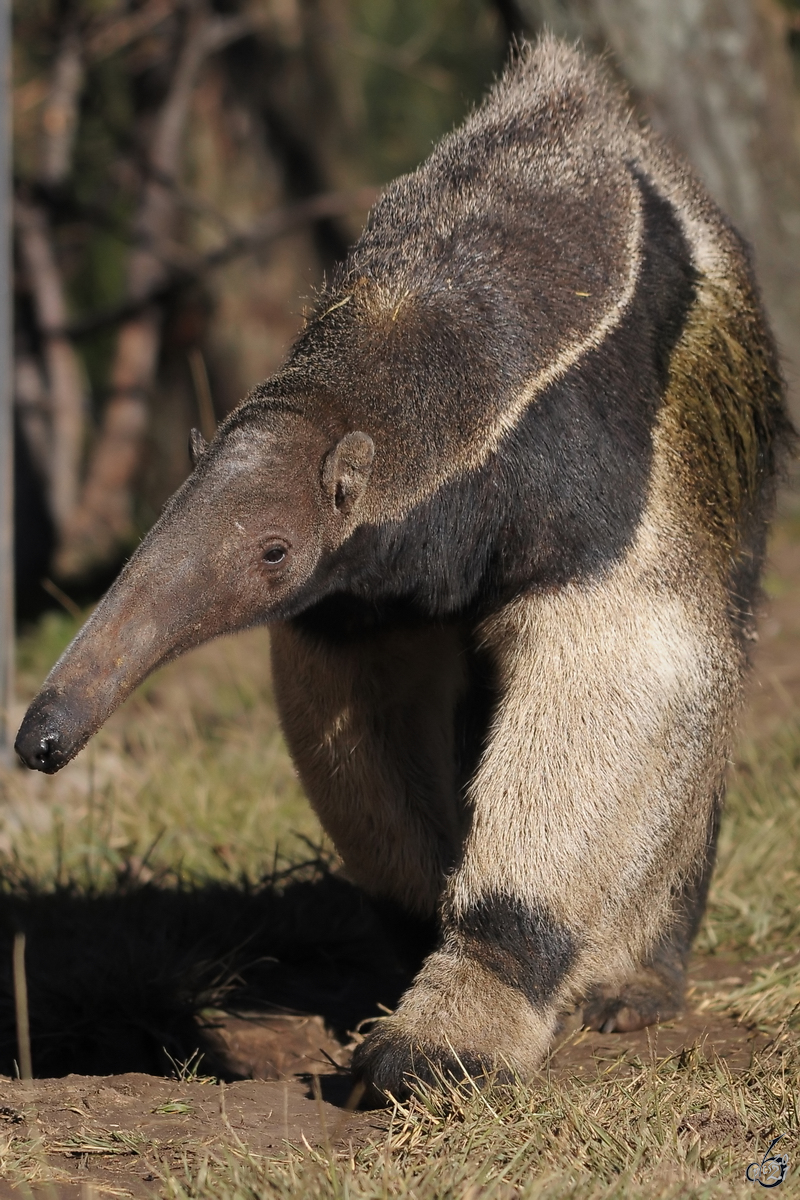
<point>21,1009</point>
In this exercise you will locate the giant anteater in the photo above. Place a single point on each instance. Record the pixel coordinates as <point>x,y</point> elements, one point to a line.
<point>505,509</point>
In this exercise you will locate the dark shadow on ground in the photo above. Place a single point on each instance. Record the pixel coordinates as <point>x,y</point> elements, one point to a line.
<point>141,978</point>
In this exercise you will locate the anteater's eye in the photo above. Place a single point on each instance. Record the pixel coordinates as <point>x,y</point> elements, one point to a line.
<point>275,555</point>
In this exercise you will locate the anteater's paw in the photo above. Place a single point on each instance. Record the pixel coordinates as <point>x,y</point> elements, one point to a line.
<point>390,1062</point>
<point>458,1020</point>
<point>650,997</point>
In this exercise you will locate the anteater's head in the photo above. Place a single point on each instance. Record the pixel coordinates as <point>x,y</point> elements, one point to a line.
<point>241,543</point>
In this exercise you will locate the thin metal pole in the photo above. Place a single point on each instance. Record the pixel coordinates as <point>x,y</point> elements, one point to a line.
<point>6,397</point>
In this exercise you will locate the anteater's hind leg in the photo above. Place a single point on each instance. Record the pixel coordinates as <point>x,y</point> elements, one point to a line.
<point>656,991</point>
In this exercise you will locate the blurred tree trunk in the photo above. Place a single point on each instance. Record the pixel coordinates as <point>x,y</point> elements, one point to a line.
<point>256,297</point>
<point>103,519</point>
<point>58,453</point>
<point>716,77</point>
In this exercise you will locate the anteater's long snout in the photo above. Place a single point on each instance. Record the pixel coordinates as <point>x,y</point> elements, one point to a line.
<point>197,575</point>
<point>118,646</point>
<point>50,733</point>
<point>159,607</point>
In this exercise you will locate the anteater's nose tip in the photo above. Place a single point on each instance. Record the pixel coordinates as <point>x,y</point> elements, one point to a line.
<point>46,754</point>
<point>41,744</point>
<point>42,754</point>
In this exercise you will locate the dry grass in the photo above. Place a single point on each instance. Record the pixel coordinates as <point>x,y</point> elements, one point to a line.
<point>771,999</point>
<point>755,894</point>
<point>668,1128</point>
<point>674,1127</point>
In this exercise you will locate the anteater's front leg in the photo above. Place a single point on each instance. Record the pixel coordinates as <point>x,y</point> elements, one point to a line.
<point>371,724</point>
<point>593,811</point>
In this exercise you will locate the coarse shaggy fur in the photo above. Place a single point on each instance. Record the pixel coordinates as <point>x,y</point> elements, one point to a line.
<point>505,505</point>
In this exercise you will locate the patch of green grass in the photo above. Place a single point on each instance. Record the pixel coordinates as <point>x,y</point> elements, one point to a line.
<point>173,1108</point>
<point>114,1141</point>
<point>23,1160</point>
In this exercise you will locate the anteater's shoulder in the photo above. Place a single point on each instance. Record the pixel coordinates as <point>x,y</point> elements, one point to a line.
<point>552,130</point>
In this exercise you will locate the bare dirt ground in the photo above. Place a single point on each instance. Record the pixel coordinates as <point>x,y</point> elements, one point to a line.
<point>110,1136</point>
<point>285,1060</point>
<point>114,1135</point>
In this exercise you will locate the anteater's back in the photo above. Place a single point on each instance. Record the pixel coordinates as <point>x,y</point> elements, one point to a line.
<point>548,239</point>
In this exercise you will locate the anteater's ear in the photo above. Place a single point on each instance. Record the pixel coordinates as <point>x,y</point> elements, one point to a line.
<point>347,469</point>
<point>197,446</point>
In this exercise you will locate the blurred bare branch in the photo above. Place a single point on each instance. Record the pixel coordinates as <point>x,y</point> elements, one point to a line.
<point>181,266</point>
<point>104,37</point>
<point>60,115</point>
<point>173,212</point>
<point>33,409</point>
<point>65,386</point>
<point>116,31</point>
